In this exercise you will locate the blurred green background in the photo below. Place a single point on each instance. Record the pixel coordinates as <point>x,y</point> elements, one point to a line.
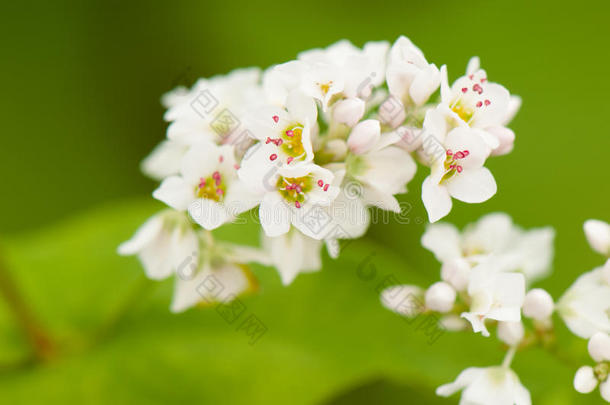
<point>81,89</point>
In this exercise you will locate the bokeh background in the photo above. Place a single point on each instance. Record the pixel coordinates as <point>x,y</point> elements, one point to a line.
<point>80,104</point>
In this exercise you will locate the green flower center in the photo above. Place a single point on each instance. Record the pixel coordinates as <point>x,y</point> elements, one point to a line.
<point>211,188</point>
<point>294,189</point>
<point>451,164</point>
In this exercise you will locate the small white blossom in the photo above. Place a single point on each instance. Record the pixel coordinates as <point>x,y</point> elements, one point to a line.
<point>487,386</point>
<point>162,243</point>
<point>494,295</point>
<point>585,306</point>
<point>493,237</point>
<point>207,186</point>
<point>411,79</point>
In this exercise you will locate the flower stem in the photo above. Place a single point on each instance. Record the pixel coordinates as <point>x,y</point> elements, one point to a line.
<point>42,344</point>
<point>509,357</point>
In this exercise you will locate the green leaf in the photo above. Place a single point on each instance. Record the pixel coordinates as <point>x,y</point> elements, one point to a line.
<point>328,338</point>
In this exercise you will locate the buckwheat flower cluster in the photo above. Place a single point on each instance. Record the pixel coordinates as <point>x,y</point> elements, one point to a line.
<point>309,145</point>
<point>486,273</point>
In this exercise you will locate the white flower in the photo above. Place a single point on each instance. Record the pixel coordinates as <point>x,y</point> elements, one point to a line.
<point>193,115</point>
<point>475,102</point>
<point>538,304</point>
<point>328,75</point>
<point>207,186</point>
<point>487,386</point>
<point>458,173</point>
<point>162,243</point>
<point>494,295</point>
<point>284,133</point>
<point>293,253</point>
<point>381,169</point>
<point>361,69</point>
<point>219,276</point>
<point>585,306</point>
<point>493,237</point>
<point>411,79</point>
<point>288,194</point>
<point>440,297</point>
<point>598,235</point>
<point>587,378</point>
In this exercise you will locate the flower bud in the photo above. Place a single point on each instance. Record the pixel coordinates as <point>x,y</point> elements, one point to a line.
<point>598,235</point>
<point>456,272</point>
<point>440,297</point>
<point>599,347</point>
<point>403,299</point>
<point>511,333</point>
<point>538,304</point>
<point>348,111</point>
<point>364,136</point>
<point>454,323</point>
<point>506,139</point>
<point>584,380</point>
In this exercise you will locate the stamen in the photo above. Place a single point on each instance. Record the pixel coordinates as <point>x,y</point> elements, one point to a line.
<point>221,158</point>
<point>289,160</point>
<point>276,118</point>
<point>479,104</point>
<point>216,175</point>
<point>201,182</point>
<point>273,157</point>
<point>487,102</point>
<point>326,187</point>
<point>464,89</point>
<point>297,204</point>
<point>459,169</point>
<point>320,183</point>
<point>449,152</point>
<point>477,88</point>
<point>219,191</point>
<point>289,133</point>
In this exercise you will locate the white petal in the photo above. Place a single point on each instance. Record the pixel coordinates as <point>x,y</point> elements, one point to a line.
<point>477,322</point>
<point>511,333</point>
<point>143,236</point>
<point>474,64</point>
<point>175,192</point>
<point>436,199</point>
<point>164,160</point>
<point>208,213</point>
<point>443,240</point>
<point>301,107</point>
<point>598,235</point>
<point>473,185</point>
<point>349,111</point>
<point>364,136</point>
<point>463,380</point>
<point>538,304</point>
<point>274,215</point>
